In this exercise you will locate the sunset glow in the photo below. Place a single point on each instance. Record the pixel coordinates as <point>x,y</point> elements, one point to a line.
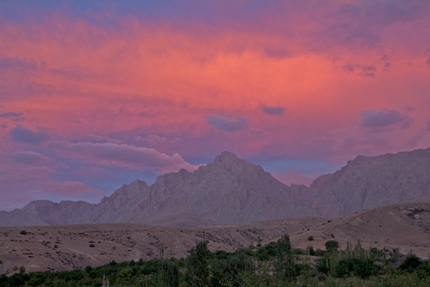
<point>93,96</point>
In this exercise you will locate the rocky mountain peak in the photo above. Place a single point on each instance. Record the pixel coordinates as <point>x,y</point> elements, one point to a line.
<point>226,158</point>
<point>231,190</point>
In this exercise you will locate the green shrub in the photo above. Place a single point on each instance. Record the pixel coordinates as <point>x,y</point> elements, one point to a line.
<point>411,263</point>
<point>331,245</point>
<point>363,268</point>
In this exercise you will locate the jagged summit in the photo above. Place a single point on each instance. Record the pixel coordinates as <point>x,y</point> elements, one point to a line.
<point>229,162</point>
<point>227,158</point>
<point>226,155</point>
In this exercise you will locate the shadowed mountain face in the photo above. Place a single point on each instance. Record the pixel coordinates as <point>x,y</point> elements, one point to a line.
<point>231,190</point>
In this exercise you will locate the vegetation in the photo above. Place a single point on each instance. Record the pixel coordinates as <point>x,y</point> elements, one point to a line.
<point>274,264</point>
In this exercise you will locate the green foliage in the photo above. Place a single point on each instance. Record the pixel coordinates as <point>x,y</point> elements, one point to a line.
<point>169,274</point>
<point>331,246</point>
<point>363,268</point>
<point>411,263</point>
<point>231,271</point>
<point>284,262</point>
<point>197,272</point>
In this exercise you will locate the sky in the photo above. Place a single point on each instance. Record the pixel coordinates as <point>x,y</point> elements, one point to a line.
<point>96,94</point>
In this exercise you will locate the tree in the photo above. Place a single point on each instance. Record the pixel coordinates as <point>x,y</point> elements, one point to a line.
<point>232,271</point>
<point>169,274</point>
<point>355,266</point>
<point>197,272</point>
<point>284,263</point>
<point>331,246</point>
<point>411,263</point>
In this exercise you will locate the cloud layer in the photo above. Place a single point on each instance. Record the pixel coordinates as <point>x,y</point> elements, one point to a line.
<point>95,94</point>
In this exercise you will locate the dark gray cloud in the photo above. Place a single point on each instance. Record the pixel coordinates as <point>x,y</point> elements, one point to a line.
<point>7,63</point>
<point>23,135</point>
<point>427,53</point>
<point>30,157</point>
<point>387,66</point>
<point>258,132</point>
<point>394,11</point>
<point>12,116</point>
<point>227,124</point>
<point>358,24</point>
<point>371,119</point>
<point>274,111</point>
<point>362,70</point>
<point>277,53</point>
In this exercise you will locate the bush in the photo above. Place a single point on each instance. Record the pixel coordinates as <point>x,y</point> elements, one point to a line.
<point>363,268</point>
<point>310,238</point>
<point>411,263</point>
<point>331,245</point>
<point>23,232</point>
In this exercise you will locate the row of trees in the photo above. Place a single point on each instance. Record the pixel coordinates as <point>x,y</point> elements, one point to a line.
<point>275,264</point>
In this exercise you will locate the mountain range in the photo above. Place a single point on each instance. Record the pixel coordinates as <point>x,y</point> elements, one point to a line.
<point>231,190</point>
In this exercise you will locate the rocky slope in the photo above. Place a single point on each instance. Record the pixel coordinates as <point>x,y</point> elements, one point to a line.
<point>368,182</point>
<point>405,226</point>
<point>231,190</point>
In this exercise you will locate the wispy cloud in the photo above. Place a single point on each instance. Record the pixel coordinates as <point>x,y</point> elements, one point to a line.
<point>138,158</point>
<point>274,111</point>
<point>30,157</point>
<point>227,124</point>
<point>24,135</point>
<point>371,119</point>
<point>362,70</point>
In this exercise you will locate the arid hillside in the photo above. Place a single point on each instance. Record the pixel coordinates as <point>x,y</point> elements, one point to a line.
<point>404,226</point>
<point>77,246</point>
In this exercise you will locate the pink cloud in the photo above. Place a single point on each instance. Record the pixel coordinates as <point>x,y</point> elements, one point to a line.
<point>123,155</point>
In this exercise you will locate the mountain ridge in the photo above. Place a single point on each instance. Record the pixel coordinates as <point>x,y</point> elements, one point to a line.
<point>231,190</point>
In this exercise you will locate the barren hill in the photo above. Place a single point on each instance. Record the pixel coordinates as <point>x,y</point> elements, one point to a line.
<point>405,226</point>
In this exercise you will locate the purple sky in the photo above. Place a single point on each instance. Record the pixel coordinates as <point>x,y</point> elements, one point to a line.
<point>95,94</point>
